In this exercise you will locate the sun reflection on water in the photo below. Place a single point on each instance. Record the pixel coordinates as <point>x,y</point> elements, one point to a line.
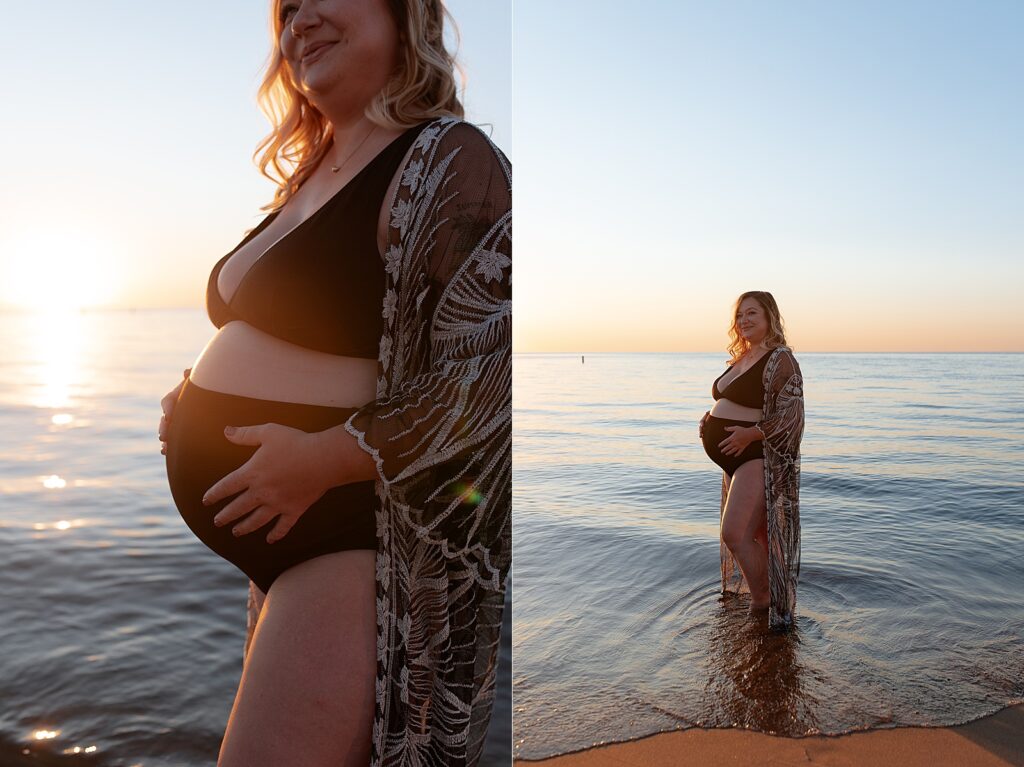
<point>55,357</point>
<point>63,524</point>
<point>80,750</point>
<point>53,482</point>
<point>43,736</point>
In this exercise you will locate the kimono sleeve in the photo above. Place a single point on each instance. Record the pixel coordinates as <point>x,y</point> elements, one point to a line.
<point>441,434</point>
<point>783,424</point>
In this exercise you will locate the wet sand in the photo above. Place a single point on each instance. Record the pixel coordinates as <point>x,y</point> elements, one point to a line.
<point>993,741</point>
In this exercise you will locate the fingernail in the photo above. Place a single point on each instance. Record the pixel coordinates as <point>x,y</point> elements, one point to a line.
<point>218,521</point>
<point>236,533</point>
<point>205,501</point>
<point>229,430</point>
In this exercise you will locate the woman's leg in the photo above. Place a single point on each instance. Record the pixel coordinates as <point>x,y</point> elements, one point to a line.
<point>307,691</point>
<point>744,526</point>
<point>252,615</point>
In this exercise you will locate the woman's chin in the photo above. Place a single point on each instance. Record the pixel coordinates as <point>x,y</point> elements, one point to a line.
<point>317,83</point>
<point>315,89</point>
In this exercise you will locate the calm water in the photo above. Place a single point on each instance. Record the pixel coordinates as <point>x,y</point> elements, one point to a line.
<point>122,635</point>
<point>909,607</point>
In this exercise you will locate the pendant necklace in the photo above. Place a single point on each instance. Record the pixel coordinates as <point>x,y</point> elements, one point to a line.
<point>336,168</point>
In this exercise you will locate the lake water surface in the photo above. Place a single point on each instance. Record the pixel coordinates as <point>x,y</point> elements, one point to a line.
<point>122,634</point>
<point>912,508</point>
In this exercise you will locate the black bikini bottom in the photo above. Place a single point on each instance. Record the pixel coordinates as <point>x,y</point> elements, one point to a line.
<point>198,455</point>
<point>714,432</point>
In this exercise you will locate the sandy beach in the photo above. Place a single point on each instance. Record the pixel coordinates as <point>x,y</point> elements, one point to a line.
<point>993,741</point>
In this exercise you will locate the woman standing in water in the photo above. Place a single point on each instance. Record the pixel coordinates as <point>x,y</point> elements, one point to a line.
<point>753,432</point>
<point>345,437</point>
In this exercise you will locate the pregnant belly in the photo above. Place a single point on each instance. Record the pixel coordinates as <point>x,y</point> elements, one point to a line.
<point>198,455</point>
<point>245,361</point>
<point>726,408</point>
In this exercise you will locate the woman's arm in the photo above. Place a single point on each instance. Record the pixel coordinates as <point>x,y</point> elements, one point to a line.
<point>783,428</point>
<point>456,232</point>
<point>442,430</point>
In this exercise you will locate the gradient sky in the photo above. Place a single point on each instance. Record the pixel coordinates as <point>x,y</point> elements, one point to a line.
<point>129,128</point>
<point>861,160</point>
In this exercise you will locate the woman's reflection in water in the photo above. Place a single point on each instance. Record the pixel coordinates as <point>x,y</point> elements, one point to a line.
<point>755,679</point>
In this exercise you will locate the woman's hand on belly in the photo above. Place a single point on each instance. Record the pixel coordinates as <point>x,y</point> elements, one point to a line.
<point>738,439</point>
<point>290,470</point>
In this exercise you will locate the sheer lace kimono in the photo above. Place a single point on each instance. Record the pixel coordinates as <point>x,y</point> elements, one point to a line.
<point>782,425</point>
<point>440,433</point>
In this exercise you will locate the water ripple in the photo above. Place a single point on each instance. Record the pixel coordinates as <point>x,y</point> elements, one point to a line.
<point>913,534</point>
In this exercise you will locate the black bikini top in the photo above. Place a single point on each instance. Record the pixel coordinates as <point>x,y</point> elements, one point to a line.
<point>747,389</point>
<point>321,285</point>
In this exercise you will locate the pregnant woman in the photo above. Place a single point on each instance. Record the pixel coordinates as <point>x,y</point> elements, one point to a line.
<point>344,439</point>
<point>753,432</point>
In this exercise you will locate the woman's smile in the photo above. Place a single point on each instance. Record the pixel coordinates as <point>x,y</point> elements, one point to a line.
<point>315,51</point>
<point>353,45</point>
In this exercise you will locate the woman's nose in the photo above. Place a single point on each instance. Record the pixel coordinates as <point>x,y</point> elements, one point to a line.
<point>304,19</point>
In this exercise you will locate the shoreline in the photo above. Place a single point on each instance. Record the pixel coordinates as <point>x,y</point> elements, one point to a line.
<point>996,740</point>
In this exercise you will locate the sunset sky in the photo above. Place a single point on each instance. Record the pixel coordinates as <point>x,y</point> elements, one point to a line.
<point>861,160</point>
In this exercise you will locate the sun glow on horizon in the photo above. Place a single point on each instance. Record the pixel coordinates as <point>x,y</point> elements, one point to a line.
<point>55,270</point>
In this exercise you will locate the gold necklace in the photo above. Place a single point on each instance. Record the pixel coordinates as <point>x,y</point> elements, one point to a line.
<point>336,168</point>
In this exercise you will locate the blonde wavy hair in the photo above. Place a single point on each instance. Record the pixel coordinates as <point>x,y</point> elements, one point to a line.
<point>776,336</point>
<point>422,88</point>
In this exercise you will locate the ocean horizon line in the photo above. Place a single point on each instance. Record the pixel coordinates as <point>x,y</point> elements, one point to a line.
<point>722,351</point>
<point>9,310</point>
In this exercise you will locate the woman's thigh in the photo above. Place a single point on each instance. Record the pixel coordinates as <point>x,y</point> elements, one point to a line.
<point>307,689</point>
<point>744,516</point>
